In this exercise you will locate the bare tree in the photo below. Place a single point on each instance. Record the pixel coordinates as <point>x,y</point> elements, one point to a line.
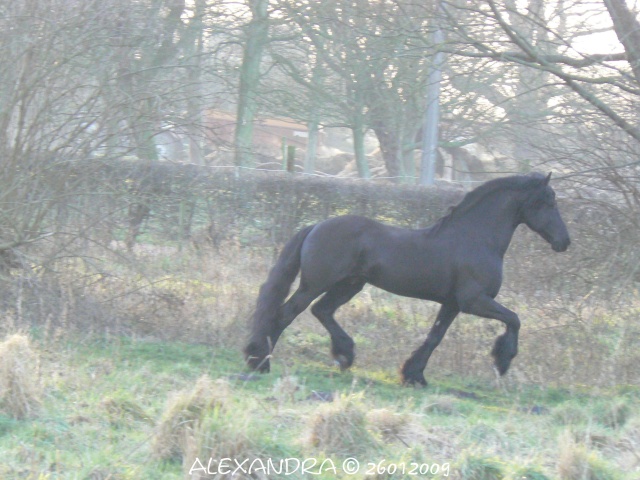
<point>256,37</point>
<point>375,62</point>
<point>90,81</point>
<point>51,113</point>
<point>586,101</point>
<point>599,79</point>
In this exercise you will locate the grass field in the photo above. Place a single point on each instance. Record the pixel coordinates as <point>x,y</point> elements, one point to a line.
<point>120,408</point>
<point>127,365</point>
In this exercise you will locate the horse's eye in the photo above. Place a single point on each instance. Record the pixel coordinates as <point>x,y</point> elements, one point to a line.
<point>539,203</point>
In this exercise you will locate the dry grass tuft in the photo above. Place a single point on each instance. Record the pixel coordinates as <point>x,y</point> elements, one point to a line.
<point>474,466</point>
<point>122,411</point>
<point>528,472</point>
<point>229,434</point>
<point>441,404</point>
<point>285,389</point>
<point>340,427</point>
<point>570,413</point>
<point>183,415</point>
<point>104,473</point>
<point>19,377</point>
<point>391,426</point>
<point>577,462</point>
<point>614,414</point>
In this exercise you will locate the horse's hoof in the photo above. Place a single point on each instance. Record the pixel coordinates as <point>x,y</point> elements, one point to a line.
<point>342,361</point>
<point>413,380</point>
<point>257,357</point>
<point>502,364</point>
<point>343,352</point>
<point>502,354</point>
<point>264,367</point>
<point>257,365</point>
<point>343,355</point>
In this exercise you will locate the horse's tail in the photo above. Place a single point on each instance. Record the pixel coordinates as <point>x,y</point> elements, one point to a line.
<point>265,329</point>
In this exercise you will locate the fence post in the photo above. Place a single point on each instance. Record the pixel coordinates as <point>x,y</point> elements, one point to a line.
<point>291,158</point>
<point>284,153</point>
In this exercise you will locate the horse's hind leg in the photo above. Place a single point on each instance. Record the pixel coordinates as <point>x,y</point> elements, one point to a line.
<point>293,307</point>
<point>412,370</point>
<point>341,343</point>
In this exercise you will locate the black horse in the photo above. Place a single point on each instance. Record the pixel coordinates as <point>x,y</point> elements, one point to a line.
<point>456,262</point>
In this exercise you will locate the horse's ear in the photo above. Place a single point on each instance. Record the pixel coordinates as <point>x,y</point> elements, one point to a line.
<point>546,180</point>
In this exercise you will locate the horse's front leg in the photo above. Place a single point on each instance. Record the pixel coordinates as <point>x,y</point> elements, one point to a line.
<point>412,370</point>
<point>506,345</point>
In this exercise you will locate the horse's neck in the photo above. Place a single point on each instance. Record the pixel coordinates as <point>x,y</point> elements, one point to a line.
<point>494,220</point>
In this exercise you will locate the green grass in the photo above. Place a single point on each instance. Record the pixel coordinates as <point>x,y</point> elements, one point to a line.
<point>103,400</point>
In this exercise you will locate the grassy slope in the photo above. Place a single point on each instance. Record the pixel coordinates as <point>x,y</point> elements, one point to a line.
<point>103,400</point>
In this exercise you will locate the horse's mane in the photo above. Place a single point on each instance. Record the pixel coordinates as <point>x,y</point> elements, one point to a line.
<point>477,195</point>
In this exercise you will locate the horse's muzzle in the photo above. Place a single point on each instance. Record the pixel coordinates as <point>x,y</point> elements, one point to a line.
<point>561,245</point>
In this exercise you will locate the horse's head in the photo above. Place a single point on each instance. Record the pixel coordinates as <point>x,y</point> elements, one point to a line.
<point>540,213</point>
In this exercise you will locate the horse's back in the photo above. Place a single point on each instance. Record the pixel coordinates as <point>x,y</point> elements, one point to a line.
<point>403,261</point>
<point>334,249</point>
<point>347,235</point>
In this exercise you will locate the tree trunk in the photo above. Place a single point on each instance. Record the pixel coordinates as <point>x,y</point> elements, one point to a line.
<point>144,132</point>
<point>627,29</point>
<point>312,146</point>
<point>257,35</point>
<point>390,148</point>
<point>194,103</point>
<point>358,150</point>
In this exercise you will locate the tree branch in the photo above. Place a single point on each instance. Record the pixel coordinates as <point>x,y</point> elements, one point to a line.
<point>531,52</point>
<point>586,61</point>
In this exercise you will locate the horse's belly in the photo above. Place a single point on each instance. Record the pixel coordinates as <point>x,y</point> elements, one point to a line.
<point>412,269</point>
<point>427,287</point>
